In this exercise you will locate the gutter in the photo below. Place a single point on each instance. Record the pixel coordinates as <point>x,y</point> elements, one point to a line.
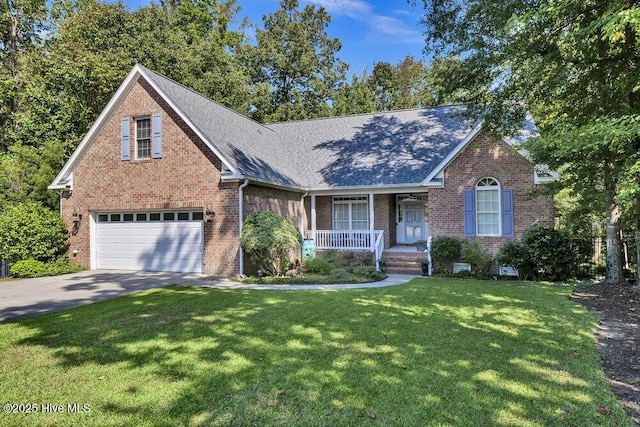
<point>240,211</point>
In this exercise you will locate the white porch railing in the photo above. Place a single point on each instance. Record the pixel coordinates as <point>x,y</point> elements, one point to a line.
<point>363,240</point>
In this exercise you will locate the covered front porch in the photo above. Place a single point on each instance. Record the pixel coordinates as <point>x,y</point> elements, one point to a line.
<point>368,222</point>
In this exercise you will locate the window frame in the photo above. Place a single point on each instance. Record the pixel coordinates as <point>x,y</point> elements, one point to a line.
<point>148,149</point>
<point>350,202</point>
<point>484,186</point>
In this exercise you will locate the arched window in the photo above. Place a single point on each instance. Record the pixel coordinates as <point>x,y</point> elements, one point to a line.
<point>488,207</point>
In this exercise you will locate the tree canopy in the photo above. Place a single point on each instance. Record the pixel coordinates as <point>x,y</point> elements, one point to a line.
<point>573,65</point>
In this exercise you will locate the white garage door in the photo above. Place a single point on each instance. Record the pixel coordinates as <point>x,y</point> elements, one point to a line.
<point>150,241</point>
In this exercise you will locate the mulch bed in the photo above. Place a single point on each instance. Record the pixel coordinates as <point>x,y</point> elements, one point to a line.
<point>618,338</point>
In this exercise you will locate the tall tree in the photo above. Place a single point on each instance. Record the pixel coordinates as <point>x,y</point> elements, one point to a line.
<point>296,63</point>
<point>354,98</point>
<point>412,89</point>
<point>21,23</point>
<point>573,63</point>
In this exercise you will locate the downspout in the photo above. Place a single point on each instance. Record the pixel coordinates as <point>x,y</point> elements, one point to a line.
<point>303,215</point>
<point>240,214</point>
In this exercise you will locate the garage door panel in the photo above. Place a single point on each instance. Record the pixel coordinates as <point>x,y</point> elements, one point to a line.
<point>159,246</point>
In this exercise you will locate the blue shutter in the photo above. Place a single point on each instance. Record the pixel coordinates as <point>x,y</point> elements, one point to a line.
<point>507,213</point>
<point>469,213</point>
<point>156,129</point>
<point>125,140</point>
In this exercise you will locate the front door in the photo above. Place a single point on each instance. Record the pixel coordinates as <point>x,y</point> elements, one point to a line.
<point>413,219</point>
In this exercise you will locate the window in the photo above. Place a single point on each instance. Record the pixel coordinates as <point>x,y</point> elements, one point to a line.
<point>149,216</point>
<point>488,207</point>
<point>143,138</point>
<point>488,210</point>
<point>350,213</point>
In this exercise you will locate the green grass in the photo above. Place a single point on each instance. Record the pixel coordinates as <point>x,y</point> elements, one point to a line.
<point>441,352</point>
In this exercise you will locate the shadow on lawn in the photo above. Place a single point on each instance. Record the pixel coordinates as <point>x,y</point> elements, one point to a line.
<point>443,354</point>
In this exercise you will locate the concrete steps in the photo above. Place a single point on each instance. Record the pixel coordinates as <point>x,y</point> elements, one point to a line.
<point>402,262</point>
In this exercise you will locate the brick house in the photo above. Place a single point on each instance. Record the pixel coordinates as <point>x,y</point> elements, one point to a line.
<point>165,176</point>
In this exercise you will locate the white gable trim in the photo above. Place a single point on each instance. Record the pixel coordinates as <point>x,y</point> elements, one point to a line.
<point>62,181</point>
<point>438,171</point>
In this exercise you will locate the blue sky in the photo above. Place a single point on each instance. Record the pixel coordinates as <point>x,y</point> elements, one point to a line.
<point>370,30</point>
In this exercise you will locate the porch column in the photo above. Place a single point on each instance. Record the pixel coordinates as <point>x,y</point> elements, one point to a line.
<point>313,216</point>
<point>371,222</point>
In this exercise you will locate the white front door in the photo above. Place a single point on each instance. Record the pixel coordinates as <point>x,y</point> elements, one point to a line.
<point>413,221</point>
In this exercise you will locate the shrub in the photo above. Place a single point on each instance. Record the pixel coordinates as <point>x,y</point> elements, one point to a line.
<point>31,231</point>
<point>268,238</point>
<point>516,254</point>
<point>340,274</point>
<point>348,260</point>
<point>369,272</point>
<point>480,259</point>
<point>29,268</point>
<point>318,266</point>
<point>551,252</point>
<point>62,266</point>
<point>445,251</point>
<point>35,268</point>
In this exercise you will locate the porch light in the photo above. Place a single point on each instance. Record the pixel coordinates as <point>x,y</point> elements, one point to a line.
<point>410,198</point>
<point>76,216</point>
<point>209,214</point>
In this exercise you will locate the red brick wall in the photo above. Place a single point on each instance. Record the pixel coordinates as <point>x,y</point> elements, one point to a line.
<point>187,176</point>
<point>324,213</point>
<point>287,204</point>
<point>385,217</point>
<point>487,157</point>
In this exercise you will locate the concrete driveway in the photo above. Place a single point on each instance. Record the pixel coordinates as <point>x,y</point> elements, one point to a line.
<point>29,297</point>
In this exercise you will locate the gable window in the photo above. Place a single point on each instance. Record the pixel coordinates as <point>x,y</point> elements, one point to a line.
<point>488,207</point>
<point>143,138</point>
<point>488,210</point>
<point>350,213</point>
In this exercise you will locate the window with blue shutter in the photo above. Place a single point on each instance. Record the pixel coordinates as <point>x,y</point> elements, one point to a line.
<point>125,139</point>
<point>507,213</point>
<point>156,129</point>
<point>488,211</point>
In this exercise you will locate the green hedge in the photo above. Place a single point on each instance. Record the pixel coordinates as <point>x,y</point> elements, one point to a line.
<point>35,268</point>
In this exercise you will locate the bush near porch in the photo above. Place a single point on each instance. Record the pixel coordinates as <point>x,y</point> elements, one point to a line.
<point>269,239</point>
<point>544,253</point>
<point>329,267</point>
<point>445,251</point>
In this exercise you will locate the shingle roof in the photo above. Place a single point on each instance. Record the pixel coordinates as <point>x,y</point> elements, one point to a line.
<point>251,148</point>
<point>399,148</point>
<point>392,148</point>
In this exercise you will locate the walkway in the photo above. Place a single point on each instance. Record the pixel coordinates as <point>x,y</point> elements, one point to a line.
<point>30,297</point>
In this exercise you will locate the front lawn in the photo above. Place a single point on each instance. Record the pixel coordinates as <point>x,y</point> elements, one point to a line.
<point>441,352</point>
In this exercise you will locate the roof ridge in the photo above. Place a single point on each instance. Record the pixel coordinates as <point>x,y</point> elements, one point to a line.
<point>369,114</point>
<point>147,70</point>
